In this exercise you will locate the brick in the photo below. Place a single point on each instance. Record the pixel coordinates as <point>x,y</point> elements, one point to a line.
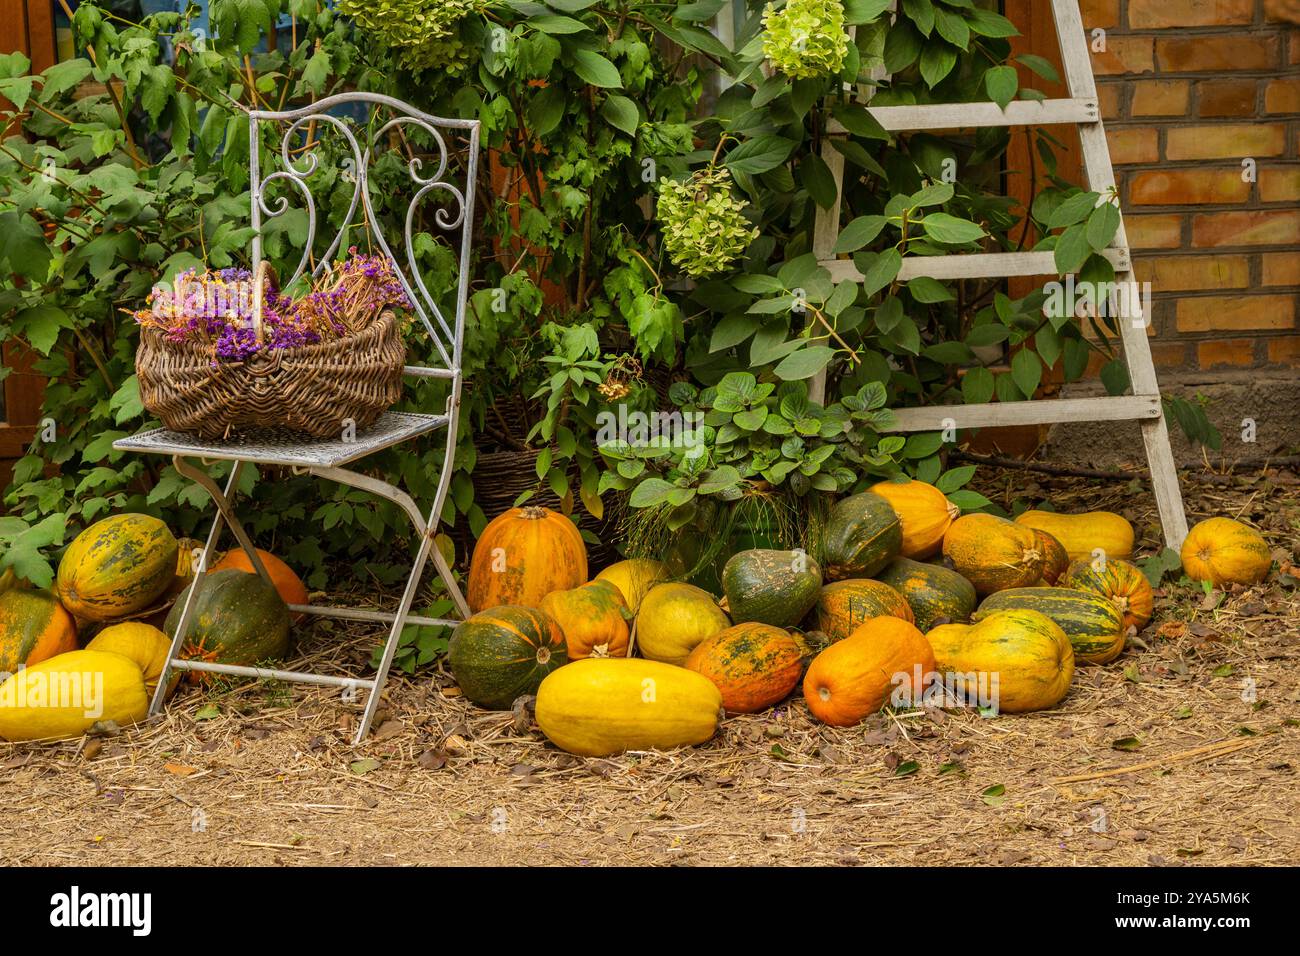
<point>1235,313</point>
<point>1158,14</point>
<point>1205,54</point>
<point>1192,273</point>
<point>1280,184</point>
<point>1099,13</point>
<point>1133,145</point>
<point>1282,96</point>
<point>1109,96</point>
<point>1183,187</point>
<point>1284,351</point>
<point>1125,55</point>
<point>1225,141</point>
<point>1160,98</point>
<point>1246,228</point>
<point>1169,354</point>
<point>1154,232</point>
<point>1282,11</point>
<point>1240,352</point>
<point>1281,268</point>
<point>1225,98</point>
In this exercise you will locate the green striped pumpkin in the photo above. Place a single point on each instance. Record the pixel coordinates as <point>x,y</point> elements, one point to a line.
<point>863,533</point>
<point>116,567</point>
<point>1093,624</point>
<point>931,590</point>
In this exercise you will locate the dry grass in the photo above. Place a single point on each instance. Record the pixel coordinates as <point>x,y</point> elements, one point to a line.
<point>274,780</point>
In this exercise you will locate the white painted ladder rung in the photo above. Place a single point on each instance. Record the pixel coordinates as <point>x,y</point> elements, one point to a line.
<point>929,116</point>
<point>365,614</point>
<point>979,265</point>
<point>1117,408</point>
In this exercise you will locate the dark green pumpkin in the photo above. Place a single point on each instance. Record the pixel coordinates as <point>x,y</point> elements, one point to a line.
<point>1093,624</point>
<point>863,533</point>
<point>770,587</point>
<point>503,653</point>
<point>932,591</point>
<point>237,619</point>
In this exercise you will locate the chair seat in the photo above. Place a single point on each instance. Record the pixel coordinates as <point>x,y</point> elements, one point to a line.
<point>270,446</point>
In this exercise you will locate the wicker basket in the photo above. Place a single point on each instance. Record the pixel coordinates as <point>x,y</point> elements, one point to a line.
<point>315,389</point>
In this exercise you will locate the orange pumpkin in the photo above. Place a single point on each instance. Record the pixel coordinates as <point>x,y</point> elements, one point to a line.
<point>1123,583</point>
<point>34,627</point>
<point>1055,558</point>
<point>925,512</point>
<point>287,584</point>
<point>523,555</point>
<point>844,606</point>
<point>993,553</point>
<point>753,665</point>
<point>593,619</point>
<point>857,676</point>
<point>1223,551</point>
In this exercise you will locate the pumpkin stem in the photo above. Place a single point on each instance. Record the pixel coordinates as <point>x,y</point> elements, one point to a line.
<point>533,512</point>
<point>824,693</point>
<point>543,655</point>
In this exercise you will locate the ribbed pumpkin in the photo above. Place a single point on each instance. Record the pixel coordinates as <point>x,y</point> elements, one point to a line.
<point>862,534</point>
<point>523,555</point>
<point>604,706</point>
<point>287,584</point>
<point>844,606</point>
<point>634,577</point>
<point>503,653</point>
<point>1085,534</point>
<point>593,619</point>
<point>116,567</point>
<point>753,665</point>
<point>1016,660</point>
<point>674,619</point>
<point>142,643</point>
<point>1093,624</point>
<point>68,694</point>
<point>925,513</point>
<point>238,619</point>
<point>770,587</point>
<point>993,553</point>
<point>33,627</point>
<point>858,675</point>
<point>931,591</point>
<point>1055,558</point>
<point>1223,551</point>
<point>1122,583</point>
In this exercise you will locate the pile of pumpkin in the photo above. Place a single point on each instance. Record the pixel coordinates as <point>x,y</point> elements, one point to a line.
<point>906,590</point>
<point>116,599</point>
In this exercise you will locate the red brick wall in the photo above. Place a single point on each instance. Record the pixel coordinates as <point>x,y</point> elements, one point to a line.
<point>1190,88</point>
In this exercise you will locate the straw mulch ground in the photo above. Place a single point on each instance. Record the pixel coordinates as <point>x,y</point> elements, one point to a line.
<point>1163,757</point>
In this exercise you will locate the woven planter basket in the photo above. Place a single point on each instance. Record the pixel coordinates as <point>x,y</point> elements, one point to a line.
<point>315,389</point>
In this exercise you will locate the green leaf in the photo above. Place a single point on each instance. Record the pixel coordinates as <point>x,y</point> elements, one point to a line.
<point>955,478</point>
<point>546,110</point>
<point>64,76</point>
<point>1040,66</point>
<point>1114,375</point>
<point>950,230</point>
<point>817,178</point>
<point>855,118</point>
<point>621,113</point>
<point>952,27</point>
<point>1103,223</point>
<point>1001,83</point>
<point>732,330</point>
<point>968,500</point>
<point>977,385</point>
<point>1026,372</point>
<point>651,492</point>
<point>595,69</point>
<point>1072,250</point>
<point>927,290</point>
<point>859,232</point>
<point>1071,210</point>
<point>878,268</point>
<point>804,363</point>
<point>760,154</point>
<point>41,325</point>
<point>937,61</point>
<point>699,11</point>
<point>554,23</point>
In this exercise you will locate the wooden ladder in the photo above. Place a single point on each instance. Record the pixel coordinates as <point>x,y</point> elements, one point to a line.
<point>1081,109</point>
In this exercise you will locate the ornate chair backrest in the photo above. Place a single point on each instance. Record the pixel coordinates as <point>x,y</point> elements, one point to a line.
<point>298,160</point>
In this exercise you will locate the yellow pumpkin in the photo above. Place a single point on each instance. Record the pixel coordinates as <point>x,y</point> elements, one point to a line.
<point>674,619</point>
<point>592,619</point>
<point>1084,535</point>
<point>925,512</point>
<point>1223,551</point>
<point>634,577</point>
<point>1015,660</point>
<point>142,643</point>
<point>993,553</point>
<point>603,706</point>
<point>66,695</point>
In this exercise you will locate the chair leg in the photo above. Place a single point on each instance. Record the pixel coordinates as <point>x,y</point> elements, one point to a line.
<point>204,480</point>
<point>182,625</point>
<point>449,582</point>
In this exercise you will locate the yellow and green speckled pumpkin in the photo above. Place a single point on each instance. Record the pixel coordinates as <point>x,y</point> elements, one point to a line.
<point>1020,659</point>
<point>1093,624</point>
<point>117,567</point>
<point>33,627</point>
<point>844,606</point>
<point>1223,551</point>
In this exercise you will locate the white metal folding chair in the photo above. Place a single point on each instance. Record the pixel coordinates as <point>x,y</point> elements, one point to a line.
<point>326,458</point>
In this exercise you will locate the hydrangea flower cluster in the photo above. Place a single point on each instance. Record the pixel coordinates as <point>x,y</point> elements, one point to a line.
<point>216,308</point>
<point>704,226</point>
<point>805,38</point>
<point>422,33</point>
